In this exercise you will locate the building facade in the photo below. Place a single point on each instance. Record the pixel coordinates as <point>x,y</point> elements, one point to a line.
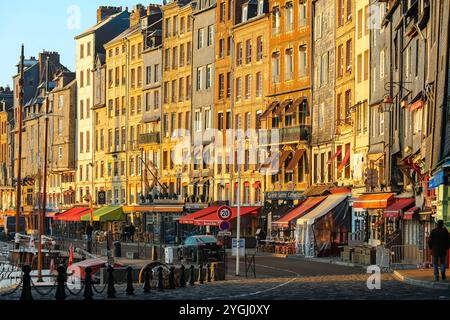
<point>111,21</point>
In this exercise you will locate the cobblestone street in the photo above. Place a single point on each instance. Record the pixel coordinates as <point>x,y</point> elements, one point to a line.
<point>281,279</point>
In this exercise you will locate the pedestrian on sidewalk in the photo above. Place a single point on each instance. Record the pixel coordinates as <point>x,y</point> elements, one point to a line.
<point>439,243</point>
<point>132,230</point>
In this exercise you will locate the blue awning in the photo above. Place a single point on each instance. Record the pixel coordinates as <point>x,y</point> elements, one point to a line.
<point>436,180</point>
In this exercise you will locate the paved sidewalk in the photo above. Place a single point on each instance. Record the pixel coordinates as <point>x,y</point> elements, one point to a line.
<point>421,277</point>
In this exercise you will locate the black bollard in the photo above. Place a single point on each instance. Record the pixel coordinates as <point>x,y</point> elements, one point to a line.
<point>200,274</point>
<point>160,279</point>
<point>147,278</point>
<point>182,277</point>
<point>61,282</point>
<point>172,278</point>
<point>26,289</point>
<point>192,277</point>
<point>130,289</point>
<point>111,290</point>
<point>88,293</point>
<point>209,272</point>
<point>216,272</point>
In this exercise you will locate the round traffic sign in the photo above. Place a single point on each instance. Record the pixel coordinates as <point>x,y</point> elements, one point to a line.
<point>225,226</point>
<point>224,213</point>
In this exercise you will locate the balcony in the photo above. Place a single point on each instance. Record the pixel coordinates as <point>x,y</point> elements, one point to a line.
<point>288,135</point>
<point>150,138</point>
<point>344,122</point>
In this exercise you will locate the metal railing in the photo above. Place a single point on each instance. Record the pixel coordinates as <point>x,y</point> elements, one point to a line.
<point>356,238</point>
<point>406,255</point>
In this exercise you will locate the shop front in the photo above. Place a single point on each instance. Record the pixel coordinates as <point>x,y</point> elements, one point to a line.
<point>68,224</point>
<point>323,230</point>
<point>107,219</point>
<point>156,223</point>
<point>207,220</point>
<point>371,206</point>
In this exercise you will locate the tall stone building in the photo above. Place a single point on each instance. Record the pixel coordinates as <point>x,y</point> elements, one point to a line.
<point>111,21</point>
<point>289,100</point>
<point>223,100</point>
<point>62,126</point>
<point>33,147</point>
<point>323,117</point>
<point>202,108</point>
<point>150,138</point>
<point>177,96</point>
<point>125,64</point>
<point>251,74</point>
<point>342,159</point>
<point>6,144</point>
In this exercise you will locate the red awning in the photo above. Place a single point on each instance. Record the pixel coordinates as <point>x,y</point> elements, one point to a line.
<point>73,215</point>
<point>341,190</point>
<point>408,215</point>
<point>295,160</point>
<point>416,105</point>
<point>189,219</point>
<point>374,201</point>
<point>298,212</point>
<point>213,219</point>
<point>395,210</point>
<point>330,161</point>
<point>345,160</point>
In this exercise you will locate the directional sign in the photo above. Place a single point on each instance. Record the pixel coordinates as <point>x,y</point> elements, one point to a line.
<point>225,226</point>
<point>224,234</point>
<point>224,213</point>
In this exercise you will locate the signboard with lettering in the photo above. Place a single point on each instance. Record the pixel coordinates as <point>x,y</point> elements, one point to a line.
<point>234,247</point>
<point>285,195</point>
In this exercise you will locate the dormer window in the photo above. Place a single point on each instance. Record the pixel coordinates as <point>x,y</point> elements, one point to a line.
<point>260,7</point>
<point>244,13</point>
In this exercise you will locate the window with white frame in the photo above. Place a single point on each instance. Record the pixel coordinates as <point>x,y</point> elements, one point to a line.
<point>302,13</point>
<point>303,61</point>
<point>289,17</point>
<point>200,38</point>
<point>259,84</point>
<point>199,78</point>
<point>198,121</point>
<point>289,64</point>
<point>208,76</point>
<point>207,119</point>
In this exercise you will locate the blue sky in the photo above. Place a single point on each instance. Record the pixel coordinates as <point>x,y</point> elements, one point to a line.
<point>45,25</point>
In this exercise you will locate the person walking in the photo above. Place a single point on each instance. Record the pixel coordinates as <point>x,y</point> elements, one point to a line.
<point>439,243</point>
<point>132,230</point>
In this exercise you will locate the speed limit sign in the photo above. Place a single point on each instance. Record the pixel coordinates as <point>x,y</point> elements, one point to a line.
<point>224,213</point>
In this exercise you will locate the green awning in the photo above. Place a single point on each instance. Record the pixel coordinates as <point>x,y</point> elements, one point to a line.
<point>106,214</point>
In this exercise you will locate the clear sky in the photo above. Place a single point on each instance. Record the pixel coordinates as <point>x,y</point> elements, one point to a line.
<point>46,24</point>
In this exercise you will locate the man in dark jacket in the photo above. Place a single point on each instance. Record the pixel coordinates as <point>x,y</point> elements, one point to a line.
<point>439,244</point>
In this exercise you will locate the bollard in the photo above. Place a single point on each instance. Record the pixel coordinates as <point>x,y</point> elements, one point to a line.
<point>130,289</point>
<point>147,279</point>
<point>172,278</point>
<point>216,272</point>
<point>26,290</point>
<point>61,282</point>
<point>192,277</point>
<point>88,293</point>
<point>111,290</point>
<point>182,277</point>
<point>160,279</point>
<point>209,272</point>
<point>200,274</point>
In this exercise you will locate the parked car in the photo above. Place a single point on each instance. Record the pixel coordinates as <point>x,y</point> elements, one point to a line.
<point>206,248</point>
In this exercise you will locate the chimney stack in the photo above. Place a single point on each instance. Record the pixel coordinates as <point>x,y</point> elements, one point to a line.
<point>138,12</point>
<point>104,12</point>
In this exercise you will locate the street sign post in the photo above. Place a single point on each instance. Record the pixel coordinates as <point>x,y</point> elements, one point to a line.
<point>234,247</point>
<point>225,226</point>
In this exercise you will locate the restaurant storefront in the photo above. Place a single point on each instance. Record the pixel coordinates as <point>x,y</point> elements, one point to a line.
<point>324,229</point>
<point>371,206</point>
<point>156,223</point>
